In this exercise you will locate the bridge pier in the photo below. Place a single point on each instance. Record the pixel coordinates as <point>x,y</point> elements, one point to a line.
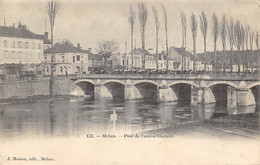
<point>101,92</point>
<point>132,93</point>
<point>201,95</point>
<point>240,97</point>
<point>166,94</point>
<point>231,97</point>
<point>245,97</point>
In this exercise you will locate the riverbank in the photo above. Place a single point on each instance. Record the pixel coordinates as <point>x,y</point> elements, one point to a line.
<point>33,99</point>
<point>230,126</point>
<point>30,90</point>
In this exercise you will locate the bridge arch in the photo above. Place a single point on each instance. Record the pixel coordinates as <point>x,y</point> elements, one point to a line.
<point>183,91</point>
<point>145,81</point>
<point>255,89</point>
<point>222,83</point>
<point>222,91</point>
<point>115,88</point>
<point>183,82</point>
<point>113,81</point>
<point>84,80</point>
<point>147,90</point>
<point>253,85</point>
<point>87,87</point>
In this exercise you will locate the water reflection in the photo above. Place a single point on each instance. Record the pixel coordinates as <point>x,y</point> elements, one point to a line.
<point>75,117</point>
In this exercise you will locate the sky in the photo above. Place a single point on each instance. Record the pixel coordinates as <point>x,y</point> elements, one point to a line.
<point>89,21</point>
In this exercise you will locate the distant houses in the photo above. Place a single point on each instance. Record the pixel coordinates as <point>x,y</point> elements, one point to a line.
<point>179,59</point>
<point>20,46</point>
<point>247,60</point>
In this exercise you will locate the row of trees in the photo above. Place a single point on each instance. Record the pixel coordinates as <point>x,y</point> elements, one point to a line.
<point>142,16</point>
<point>239,35</point>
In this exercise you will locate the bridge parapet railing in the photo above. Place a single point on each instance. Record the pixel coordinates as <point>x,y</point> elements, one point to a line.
<point>173,76</point>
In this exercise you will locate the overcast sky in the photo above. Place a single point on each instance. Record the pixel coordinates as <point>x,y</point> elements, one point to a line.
<point>87,22</point>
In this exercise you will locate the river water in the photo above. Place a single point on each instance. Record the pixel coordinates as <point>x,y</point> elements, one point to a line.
<point>77,117</point>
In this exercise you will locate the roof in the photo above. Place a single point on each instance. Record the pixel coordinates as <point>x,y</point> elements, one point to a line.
<point>20,32</point>
<point>253,56</point>
<point>183,53</point>
<point>95,57</point>
<point>66,47</point>
<point>140,51</point>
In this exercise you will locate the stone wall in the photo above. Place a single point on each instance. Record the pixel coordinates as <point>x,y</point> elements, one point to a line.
<point>27,88</point>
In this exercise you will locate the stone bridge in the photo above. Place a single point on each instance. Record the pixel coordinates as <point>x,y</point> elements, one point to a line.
<point>235,90</point>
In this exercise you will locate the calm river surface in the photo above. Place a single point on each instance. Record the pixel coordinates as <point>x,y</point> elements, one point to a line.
<point>77,117</point>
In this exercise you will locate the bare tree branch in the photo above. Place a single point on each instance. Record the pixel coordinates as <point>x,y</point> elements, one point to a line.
<point>157,26</point>
<point>166,36</point>
<point>223,34</point>
<point>194,25</point>
<point>230,30</point>
<point>215,33</point>
<point>204,29</point>
<point>142,15</point>
<point>132,21</point>
<point>238,40</point>
<point>52,10</point>
<point>184,28</point>
<point>257,40</point>
<point>215,30</point>
<point>106,49</point>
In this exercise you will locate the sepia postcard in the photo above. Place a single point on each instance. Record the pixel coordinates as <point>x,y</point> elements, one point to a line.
<point>122,82</point>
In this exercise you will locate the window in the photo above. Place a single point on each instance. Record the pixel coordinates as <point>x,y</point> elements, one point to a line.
<point>78,68</point>
<point>26,45</point>
<point>5,43</point>
<point>26,55</point>
<point>12,54</point>
<point>63,58</point>
<point>6,55</point>
<point>61,69</point>
<point>19,44</point>
<point>123,62</point>
<point>45,59</point>
<point>19,55</point>
<point>13,46</point>
<point>47,69</point>
<point>78,57</point>
<point>73,58</point>
<point>33,45</point>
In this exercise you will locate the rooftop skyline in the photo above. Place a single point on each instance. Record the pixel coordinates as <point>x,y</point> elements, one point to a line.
<point>87,22</point>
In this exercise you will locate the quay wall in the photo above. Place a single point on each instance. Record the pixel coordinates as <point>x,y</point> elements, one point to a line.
<point>39,87</point>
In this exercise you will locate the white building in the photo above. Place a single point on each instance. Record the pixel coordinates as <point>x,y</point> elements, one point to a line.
<point>19,45</point>
<point>68,59</point>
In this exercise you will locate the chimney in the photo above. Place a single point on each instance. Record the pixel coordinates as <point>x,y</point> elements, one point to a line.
<point>20,27</point>
<point>46,35</point>
<point>78,46</point>
<point>13,24</point>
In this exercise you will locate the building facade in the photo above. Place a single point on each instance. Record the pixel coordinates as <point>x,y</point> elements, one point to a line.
<point>68,59</point>
<point>21,46</point>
